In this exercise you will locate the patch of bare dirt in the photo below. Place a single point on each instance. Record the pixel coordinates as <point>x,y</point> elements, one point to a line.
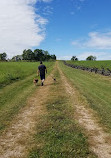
<point>98,139</point>
<point>17,139</point>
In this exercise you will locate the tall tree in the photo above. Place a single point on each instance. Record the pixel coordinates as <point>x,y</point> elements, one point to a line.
<point>91,57</point>
<point>3,56</point>
<point>28,55</point>
<point>53,57</point>
<point>47,55</point>
<point>74,58</point>
<point>39,55</point>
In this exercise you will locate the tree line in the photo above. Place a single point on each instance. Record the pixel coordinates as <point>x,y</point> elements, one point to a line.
<point>29,55</point>
<point>3,56</point>
<point>37,55</point>
<point>91,57</point>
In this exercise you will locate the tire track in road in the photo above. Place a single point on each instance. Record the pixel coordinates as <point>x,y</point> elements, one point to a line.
<point>16,141</point>
<point>97,138</point>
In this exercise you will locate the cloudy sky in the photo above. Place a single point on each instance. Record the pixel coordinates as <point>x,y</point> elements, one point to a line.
<point>63,27</point>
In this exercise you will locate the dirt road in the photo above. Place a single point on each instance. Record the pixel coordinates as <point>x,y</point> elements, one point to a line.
<point>16,141</point>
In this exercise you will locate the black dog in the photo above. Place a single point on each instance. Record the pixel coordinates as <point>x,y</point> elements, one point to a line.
<point>35,81</point>
<point>54,78</point>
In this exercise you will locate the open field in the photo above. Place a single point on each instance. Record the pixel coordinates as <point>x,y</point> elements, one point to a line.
<point>13,96</point>
<point>56,133</point>
<point>14,71</point>
<point>96,89</point>
<point>66,118</point>
<point>92,64</point>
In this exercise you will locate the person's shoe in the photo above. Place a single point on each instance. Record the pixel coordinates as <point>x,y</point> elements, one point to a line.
<point>42,84</point>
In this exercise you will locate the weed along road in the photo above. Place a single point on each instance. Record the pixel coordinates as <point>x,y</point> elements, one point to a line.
<point>57,121</point>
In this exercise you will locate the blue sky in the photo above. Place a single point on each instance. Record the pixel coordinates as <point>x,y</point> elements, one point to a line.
<point>63,27</point>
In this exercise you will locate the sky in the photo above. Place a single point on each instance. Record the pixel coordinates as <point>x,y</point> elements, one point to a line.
<point>65,28</point>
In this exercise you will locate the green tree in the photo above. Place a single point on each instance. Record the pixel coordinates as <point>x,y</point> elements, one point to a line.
<point>39,55</point>
<point>28,55</point>
<point>53,57</point>
<point>24,55</point>
<point>0,56</point>
<point>74,58</point>
<point>3,56</point>
<point>17,58</point>
<point>91,57</point>
<point>47,55</point>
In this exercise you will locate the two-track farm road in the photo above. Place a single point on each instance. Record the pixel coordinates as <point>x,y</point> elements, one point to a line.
<point>17,140</point>
<point>85,116</point>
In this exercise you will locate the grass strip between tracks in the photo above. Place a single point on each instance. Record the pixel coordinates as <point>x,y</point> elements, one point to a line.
<point>58,135</point>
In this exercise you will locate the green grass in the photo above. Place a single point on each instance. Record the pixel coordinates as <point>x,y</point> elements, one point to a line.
<point>13,71</point>
<point>97,90</point>
<point>13,96</point>
<point>58,135</point>
<point>91,64</point>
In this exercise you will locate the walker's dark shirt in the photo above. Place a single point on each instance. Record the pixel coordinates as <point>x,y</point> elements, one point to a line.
<point>42,69</point>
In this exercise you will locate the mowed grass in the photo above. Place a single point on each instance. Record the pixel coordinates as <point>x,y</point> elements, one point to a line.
<point>58,135</point>
<point>92,64</point>
<point>13,71</point>
<point>13,96</point>
<point>96,88</point>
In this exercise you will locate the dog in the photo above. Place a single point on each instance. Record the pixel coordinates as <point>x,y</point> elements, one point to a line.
<point>53,78</point>
<point>35,81</point>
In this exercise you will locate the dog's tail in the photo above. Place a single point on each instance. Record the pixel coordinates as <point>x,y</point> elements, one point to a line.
<point>53,78</point>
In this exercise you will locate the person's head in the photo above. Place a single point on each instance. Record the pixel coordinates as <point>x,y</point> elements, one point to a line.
<point>40,62</point>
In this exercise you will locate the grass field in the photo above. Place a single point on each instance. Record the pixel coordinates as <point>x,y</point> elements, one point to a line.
<point>14,71</point>
<point>57,133</point>
<point>13,96</point>
<point>92,64</point>
<point>96,89</point>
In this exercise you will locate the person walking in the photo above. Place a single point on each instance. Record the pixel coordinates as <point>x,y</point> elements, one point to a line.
<point>41,71</point>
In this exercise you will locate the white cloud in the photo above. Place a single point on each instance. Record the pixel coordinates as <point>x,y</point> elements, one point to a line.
<point>77,43</point>
<point>99,55</point>
<point>85,54</point>
<point>99,40</point>
<point>20,27</point>
<point>47,10</point>
<point>64,57</point>
<point>95,40</point>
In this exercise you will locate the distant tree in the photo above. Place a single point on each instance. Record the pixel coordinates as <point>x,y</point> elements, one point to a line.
<point>17,58</point>
<point>3,56</point>
<point>91,57</point>
<point>28,55</point>
<point>47,55</point>
<point>24,55</point>
<point>53,57</point>
<point>0,56</point>
<point>74,58</point>
<point>37,55</point>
